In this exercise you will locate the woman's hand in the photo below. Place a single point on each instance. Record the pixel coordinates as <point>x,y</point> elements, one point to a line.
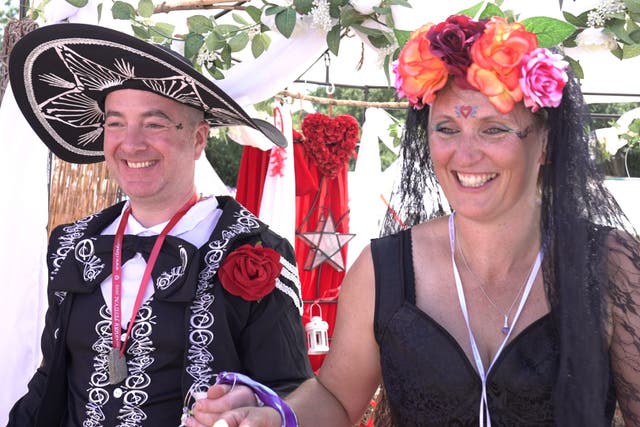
<point>231,406</point>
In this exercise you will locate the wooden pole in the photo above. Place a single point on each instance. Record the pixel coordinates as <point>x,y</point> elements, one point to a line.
<point>173,5</point>
<point>344,102</point>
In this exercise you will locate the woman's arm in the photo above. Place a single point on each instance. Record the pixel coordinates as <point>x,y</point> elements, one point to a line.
<point>624,283</point>
<point>345,383</point>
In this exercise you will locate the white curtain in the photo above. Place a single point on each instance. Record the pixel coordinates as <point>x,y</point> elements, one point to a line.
<point>24,195</point>
<point>278,203</point>
<point>369,187</point>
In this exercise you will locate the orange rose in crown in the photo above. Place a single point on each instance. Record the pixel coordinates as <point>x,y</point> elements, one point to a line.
<point>420,73</point>
<point>497,60</point>
<point>250,272</point>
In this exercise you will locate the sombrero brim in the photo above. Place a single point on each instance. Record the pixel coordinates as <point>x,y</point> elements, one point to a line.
<point>61,73</point>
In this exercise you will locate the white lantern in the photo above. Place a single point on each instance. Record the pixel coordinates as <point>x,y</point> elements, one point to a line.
<point>317,332</point>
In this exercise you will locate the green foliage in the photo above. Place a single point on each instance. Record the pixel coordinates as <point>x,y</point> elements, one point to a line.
<point>8,12</point>
<point>550,31</point>
<point>214,54</point>
<point>224,155</point>
<point>208,45</point>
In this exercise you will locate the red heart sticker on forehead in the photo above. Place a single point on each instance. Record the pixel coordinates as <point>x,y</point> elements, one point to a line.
<point>466,111</point>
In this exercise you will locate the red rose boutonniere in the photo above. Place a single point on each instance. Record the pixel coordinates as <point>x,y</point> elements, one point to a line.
<point>250,272</point>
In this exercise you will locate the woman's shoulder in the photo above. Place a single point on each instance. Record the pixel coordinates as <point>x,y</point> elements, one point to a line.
<point>433,233</point>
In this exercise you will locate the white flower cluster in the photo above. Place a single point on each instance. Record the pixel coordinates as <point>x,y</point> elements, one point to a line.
<point>596,40</point>
<point>605,10</point>
<point>320,17</point>
<point>365,7</point>
<point>253,31</point>
<point>383,52</point>
<point>205,57</point>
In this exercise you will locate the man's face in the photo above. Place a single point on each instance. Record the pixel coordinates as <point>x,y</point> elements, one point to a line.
<point>151,144</point>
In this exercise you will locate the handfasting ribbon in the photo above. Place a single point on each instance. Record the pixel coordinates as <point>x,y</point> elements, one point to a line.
<point>484,404</point>
<point>264,394</point>
<point>116,279</point>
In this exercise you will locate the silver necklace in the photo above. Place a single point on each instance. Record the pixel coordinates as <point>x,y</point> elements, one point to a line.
<point>505,327</point>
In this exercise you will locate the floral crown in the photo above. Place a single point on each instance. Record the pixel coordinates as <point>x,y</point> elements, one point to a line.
<point>499,59</point>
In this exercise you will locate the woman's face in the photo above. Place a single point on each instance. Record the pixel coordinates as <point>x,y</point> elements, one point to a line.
<point>486,162</point>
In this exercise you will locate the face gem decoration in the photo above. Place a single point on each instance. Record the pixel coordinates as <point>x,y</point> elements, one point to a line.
<point>466,111</point>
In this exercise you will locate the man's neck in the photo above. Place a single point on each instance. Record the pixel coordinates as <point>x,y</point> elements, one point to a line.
<point>154,213</point>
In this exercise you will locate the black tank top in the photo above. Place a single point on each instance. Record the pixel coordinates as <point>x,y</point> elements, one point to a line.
<point>429,380</point>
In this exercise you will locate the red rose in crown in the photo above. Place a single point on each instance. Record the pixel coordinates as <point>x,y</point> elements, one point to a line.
<point>330,142</point>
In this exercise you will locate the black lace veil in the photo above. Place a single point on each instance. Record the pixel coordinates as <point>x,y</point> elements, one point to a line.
<point>591,273</point>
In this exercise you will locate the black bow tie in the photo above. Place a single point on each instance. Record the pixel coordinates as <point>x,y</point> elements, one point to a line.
<point>90,262</point>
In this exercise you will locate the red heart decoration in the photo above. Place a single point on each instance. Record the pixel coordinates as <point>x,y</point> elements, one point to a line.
<point>330,142</point>
<point>466,111</point>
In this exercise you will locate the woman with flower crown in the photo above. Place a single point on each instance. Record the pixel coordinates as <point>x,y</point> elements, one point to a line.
<point>520,306</point>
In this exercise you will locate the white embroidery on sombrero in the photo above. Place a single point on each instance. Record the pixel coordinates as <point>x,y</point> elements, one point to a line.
<point>56,81</point>
<point>89,137</point>
<point>88,74</point>
<point>176,88</point>
<point>75,109</point>
<point>125,68</point>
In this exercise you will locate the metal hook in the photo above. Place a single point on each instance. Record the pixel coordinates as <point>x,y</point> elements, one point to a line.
<point>327,64</point>
<point>331,89</point>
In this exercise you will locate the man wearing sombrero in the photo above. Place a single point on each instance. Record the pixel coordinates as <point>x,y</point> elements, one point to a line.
<point>151,298</point>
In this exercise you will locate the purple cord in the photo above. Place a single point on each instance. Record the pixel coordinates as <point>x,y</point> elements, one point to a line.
<point>264,394</point>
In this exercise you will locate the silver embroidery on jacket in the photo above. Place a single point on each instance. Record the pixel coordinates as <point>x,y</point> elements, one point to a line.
<point>200,335</point>
<point>294,291</point>
<point>168,278</point>
<point>85,254</point>
<point>67,241</point>
<point>139,359</point>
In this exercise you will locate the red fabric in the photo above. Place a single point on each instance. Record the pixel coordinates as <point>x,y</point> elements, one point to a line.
<point>251,177</point>
<point>306,182</point>
<point>323,282</point>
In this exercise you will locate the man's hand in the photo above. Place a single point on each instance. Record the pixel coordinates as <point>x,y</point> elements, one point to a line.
<point>231,406</point>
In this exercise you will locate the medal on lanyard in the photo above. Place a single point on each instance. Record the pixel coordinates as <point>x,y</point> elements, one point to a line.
<point>117,366</point>
<point>116,359</point>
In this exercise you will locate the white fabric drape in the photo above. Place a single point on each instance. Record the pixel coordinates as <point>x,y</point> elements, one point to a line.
<point>24,195</point>
<point>367,183</point>
<point>278,203</point>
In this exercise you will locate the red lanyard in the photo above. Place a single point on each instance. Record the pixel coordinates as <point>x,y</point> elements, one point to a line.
<point>116,278</point>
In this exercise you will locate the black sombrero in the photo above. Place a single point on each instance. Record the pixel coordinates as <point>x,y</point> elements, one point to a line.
<point>61,73</point>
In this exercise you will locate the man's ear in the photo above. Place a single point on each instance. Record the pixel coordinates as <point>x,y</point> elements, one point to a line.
<point>201,135</point>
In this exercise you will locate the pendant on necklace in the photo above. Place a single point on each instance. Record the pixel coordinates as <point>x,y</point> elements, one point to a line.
<point>117,366</point>
<point>505,327</point>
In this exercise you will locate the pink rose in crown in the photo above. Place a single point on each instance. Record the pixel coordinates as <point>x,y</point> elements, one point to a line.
<point>330,142</point>
<point>544,78</point>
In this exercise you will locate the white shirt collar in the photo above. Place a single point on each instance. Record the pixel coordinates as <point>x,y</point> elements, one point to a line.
<point>198,213</point>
